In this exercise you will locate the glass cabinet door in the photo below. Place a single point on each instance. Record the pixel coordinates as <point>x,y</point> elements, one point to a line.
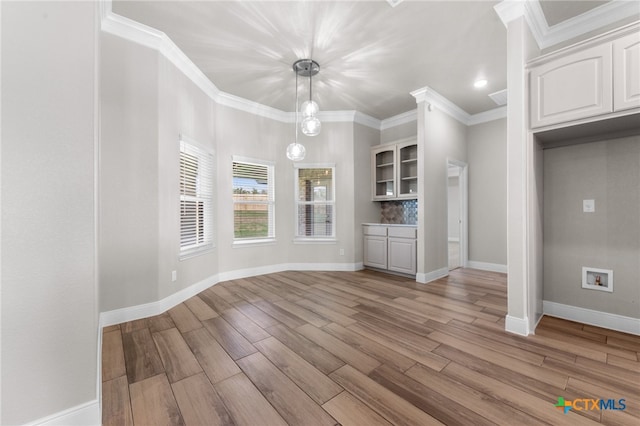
<point>408,170</point>
<point>384,172</point>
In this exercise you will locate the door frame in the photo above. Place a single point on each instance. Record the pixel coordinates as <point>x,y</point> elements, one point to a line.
<point>463,182</point>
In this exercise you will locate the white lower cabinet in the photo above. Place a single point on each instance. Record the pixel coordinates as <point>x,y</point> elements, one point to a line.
<point>375,251</point>
<point>390,247</point>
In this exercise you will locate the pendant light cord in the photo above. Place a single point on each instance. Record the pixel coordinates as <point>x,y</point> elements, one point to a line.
<point>310,85</point>
<point>296,107</point>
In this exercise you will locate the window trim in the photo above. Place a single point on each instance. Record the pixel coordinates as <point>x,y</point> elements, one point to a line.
<point>198,249</point>
<point>305,239</point>
<point>271,174</point>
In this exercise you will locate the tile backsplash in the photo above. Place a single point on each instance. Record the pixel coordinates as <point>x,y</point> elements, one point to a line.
<point>405,211</point>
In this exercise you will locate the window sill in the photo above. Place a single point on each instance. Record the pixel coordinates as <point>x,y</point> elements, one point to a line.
<point>305,240</point>
<point>253,243</point>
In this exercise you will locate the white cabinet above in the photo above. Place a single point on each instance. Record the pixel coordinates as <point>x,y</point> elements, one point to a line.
<point>626,72</point>
<point>573,87</point>
<point>593,80</point>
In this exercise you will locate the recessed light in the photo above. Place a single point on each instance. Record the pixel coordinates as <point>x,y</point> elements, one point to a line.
<point>479,84</point>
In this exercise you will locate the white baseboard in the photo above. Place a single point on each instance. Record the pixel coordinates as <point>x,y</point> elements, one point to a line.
<point>517,325</point>
<point>424,278</point>
<point>484,266</point>
<point>132,313</point>
<point>85,414</point>
<point>591,317</point>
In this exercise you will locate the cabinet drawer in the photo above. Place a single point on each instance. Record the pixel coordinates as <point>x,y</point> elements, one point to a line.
<point>375,230</point>
<point>402,232</point>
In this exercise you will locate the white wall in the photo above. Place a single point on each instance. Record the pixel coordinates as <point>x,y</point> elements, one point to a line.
<point>128,174</point>
<point>487,155</point>
<point>49,312</point>
<point>147,103</point>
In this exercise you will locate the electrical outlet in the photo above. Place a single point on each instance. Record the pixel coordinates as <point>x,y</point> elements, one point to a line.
<point>341,252</point>
<point>588,206</point>
<point>174,275</point>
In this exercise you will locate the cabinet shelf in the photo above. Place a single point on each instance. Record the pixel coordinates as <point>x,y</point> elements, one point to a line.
<point>394,170</point>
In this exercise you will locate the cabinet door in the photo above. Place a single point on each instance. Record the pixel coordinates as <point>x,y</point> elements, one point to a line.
<point>573,87</point>
<point>375,251</point>
<point>402,255</point>
<point>408,170</point>
<point>383,172</point>
<point>626,72</point>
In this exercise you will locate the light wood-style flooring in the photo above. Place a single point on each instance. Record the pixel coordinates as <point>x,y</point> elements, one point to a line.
<point>361,348</point>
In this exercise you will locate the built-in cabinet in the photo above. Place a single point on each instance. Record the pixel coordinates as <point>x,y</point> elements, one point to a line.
<point>592,79</point>
<point>390,247</point>
<point>626,72</point>
<point>394,171</point>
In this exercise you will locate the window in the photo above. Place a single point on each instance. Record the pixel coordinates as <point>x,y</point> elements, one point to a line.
<point>315,202</point>
<point>253,201</point>
<point>196,199</point>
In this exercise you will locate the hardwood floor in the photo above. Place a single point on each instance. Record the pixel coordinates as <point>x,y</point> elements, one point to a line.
<point>362,348</point>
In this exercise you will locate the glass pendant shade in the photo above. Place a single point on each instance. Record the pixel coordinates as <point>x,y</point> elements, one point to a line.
<point>296,151</point>
<point>310,126</point>
<point>309,108</point>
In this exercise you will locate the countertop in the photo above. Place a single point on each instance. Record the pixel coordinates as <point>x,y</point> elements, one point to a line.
<point>391,224</point>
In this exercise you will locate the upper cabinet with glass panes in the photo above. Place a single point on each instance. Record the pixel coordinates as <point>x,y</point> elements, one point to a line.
<point>394,170</point>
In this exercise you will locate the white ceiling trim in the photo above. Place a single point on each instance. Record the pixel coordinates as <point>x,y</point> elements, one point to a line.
<point>430,96</point>
<point>150,37</point>
<point>397,120</point>
<point>433,98</point>
<point>486,116</point>
<point>546,36</point>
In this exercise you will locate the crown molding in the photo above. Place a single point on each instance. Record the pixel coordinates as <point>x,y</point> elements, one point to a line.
<point>150,37</point>
<point>367,120</point>
<point>486,116</point>
<point>397,120</point>
<point>547,36</point>
<point>430,96</point>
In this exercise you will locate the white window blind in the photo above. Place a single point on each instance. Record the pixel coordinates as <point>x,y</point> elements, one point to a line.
<point>253,200</point>
<point>196,198</point>
<point>315,202</point>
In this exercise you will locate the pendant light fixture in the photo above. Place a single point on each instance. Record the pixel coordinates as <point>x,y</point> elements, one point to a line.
<point>295,150</point>
<point>310,125</point>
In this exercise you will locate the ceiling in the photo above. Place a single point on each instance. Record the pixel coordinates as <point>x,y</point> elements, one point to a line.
<point>371,55</point>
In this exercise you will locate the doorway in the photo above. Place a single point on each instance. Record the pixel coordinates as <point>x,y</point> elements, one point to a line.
<point>457,214</point>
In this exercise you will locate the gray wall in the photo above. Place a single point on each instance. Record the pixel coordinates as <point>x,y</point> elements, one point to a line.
<point>609,173</point>
<point>365,210</point>
<point>487,155</point>
<point>49,313</point>
<point>440,138</point>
